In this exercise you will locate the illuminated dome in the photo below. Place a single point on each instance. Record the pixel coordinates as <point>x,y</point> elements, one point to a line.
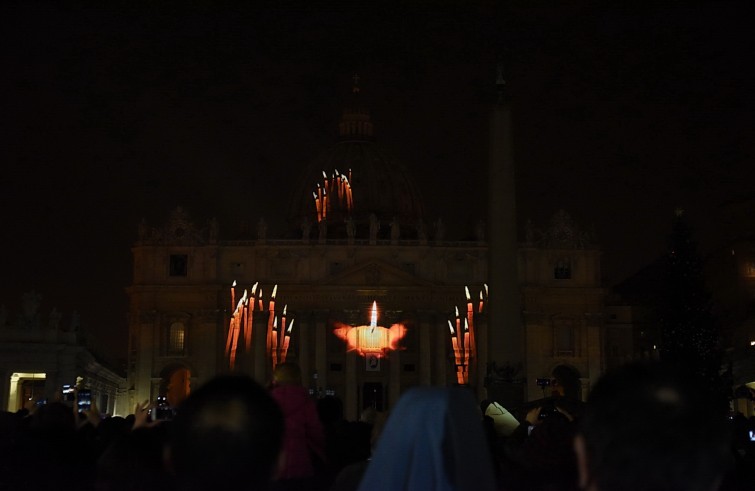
<point>362,178</point>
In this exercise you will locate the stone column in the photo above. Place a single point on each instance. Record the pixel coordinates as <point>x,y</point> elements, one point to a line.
<point>395,378</point>
<point>303,328</point>
<point>12,391</point>
<point>481,331</point>
<point>321,352</point>
<point>148,348</point>
<point>505,330</point>
<point>594,343</point>
<point>351,386</point>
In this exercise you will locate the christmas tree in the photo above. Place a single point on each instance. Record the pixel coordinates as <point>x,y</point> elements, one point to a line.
<point>689,331</point>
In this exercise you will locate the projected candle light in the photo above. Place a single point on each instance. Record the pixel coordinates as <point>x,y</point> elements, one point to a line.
<point>371,339</point>
<point>233,331</point>
<point>242,321</point>
<point>463,340</point>
<point>334,194</point>
<point>280,337</point>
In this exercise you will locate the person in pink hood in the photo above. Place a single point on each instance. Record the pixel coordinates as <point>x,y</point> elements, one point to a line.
<point>303,436</point>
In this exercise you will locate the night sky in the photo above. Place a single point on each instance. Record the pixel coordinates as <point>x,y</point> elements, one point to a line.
<point>115,113</point>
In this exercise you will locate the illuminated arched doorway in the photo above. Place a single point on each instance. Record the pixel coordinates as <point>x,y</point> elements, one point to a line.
<point>175,384</point>
<point>25,387</point>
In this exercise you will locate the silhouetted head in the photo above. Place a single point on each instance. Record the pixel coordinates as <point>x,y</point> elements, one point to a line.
<point>651,426</point>
<point>226,435</point>
<point>54,417</point>
<point>133,461</point>
<point>330,410</point>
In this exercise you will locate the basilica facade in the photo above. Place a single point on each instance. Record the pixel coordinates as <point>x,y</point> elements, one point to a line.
<point>360,255</point>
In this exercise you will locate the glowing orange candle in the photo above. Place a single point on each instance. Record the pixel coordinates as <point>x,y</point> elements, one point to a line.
<point>317,205</point>
<point>229,337</point>
<point>320,202</point>
<point>455,344</point>
<point>325,204</point>
<point>271,318</point>
<point>235,323</point>
<point>373,339</point>
<point>272,300</point>
<point>233,294</point>
<point>339,187</point>
<point>274,343</point>
<point>286,340</point>
<point>467,348</point>
<point>470,308</point>
<point>458,322</point>
<point>469,303</point>
<point>373,317</point>
<point>479,309</point>
<point>252,299</point>
<point>469,325</point>
<point>234,340</point>
<point>248,323</point>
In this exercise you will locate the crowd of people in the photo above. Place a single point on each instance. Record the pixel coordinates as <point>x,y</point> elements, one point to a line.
<point>645,426</point>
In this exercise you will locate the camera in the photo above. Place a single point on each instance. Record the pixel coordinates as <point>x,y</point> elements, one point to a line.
<point>84,400</point>
<point>162,410</point>
<point>543,382</point>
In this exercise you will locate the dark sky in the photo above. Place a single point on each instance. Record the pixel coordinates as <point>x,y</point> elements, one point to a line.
<point>117,112</point>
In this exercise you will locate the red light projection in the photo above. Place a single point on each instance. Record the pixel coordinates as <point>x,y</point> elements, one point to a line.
<point>372,339</point>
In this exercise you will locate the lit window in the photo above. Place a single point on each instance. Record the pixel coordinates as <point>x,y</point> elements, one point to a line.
<point>176,338</point>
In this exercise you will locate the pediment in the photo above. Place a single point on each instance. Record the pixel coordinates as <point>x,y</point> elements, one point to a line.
<point>374,273</point>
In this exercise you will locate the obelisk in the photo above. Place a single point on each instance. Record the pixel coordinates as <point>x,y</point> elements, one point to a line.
<point>505,328</point>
